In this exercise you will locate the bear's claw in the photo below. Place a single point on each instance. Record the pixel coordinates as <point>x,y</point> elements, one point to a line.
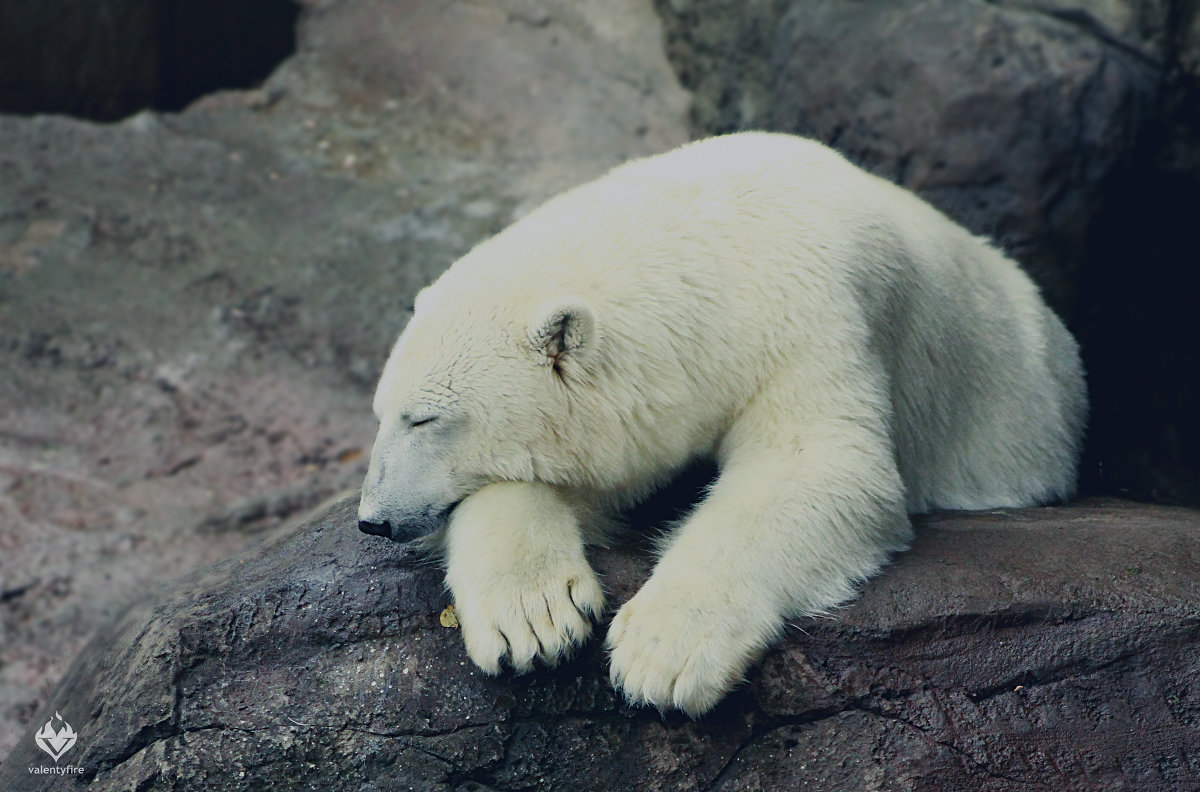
<point>529,618</point>
<point>669,651</point>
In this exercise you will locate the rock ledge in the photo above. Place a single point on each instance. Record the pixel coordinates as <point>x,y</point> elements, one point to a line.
<point>1055,647</point>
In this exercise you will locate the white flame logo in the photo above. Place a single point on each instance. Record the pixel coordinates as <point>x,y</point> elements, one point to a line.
<point>55,742</point>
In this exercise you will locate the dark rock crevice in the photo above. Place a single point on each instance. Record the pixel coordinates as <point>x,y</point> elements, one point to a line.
<point>1087,24</point>
<point>104,60</point>
<point>1138,310</point>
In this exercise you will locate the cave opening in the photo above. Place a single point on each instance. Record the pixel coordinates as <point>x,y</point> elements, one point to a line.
<point>1138,323</point>
<point>104,60</point>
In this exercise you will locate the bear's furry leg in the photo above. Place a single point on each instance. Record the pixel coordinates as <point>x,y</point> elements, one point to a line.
<point>791,526</point>
<point>522,588</point>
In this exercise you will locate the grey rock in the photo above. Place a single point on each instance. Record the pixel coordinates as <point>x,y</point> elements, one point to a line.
<point>1054,647</point>
<point>1007,116</point>
<point>194,307</point>
<point>1067,131</point>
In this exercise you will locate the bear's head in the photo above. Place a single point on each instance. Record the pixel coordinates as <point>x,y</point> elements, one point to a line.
<point>474,392</point>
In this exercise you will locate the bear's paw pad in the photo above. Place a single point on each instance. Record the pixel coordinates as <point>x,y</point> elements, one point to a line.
<point>526,618</point>
<point>668,651</point>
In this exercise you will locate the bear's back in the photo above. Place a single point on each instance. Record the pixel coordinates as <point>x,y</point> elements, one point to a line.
<point>713,265</point>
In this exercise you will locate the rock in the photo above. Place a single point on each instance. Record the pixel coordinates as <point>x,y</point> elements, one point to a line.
<point>1064,130</point>
<point>1006,116</point>
<point>1055,647</point>
<point>194,307</point>
<point>553,92</point>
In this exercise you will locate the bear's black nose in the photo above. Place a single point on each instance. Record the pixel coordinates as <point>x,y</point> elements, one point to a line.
<point>376,529</point>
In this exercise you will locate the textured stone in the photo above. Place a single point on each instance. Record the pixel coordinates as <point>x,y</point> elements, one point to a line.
<point>1065,130</point>
<point>1008,116</point>
<point>1055,647</point>
<point>194,307</point>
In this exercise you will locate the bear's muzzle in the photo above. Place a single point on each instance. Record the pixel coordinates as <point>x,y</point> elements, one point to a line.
<point>410,526</point>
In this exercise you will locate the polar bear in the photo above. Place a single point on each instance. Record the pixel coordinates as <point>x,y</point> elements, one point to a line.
<point>844,352</point>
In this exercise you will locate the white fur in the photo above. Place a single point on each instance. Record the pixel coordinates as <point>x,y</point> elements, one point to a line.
<point>522,587</point>
<point>845,352</point>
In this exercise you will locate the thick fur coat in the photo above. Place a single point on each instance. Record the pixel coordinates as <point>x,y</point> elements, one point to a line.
<point>846,353</point>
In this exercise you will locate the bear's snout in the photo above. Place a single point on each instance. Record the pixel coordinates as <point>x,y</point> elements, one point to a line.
<point>383,529</point>
<point>406,527</point>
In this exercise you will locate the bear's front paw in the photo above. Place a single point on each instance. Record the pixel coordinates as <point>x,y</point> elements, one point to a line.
<point>684,647</point>
<point>531,614</point>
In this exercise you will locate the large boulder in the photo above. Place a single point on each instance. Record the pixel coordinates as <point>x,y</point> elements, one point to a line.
<point>1008,117</point>
<point>1068,131</point>
<point>194,307</point>
<point>1053,647</point>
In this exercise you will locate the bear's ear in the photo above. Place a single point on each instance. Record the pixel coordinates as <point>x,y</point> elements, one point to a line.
<point>562,329</point>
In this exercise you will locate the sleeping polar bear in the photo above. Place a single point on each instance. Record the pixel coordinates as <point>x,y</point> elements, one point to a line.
<point>845,353</point>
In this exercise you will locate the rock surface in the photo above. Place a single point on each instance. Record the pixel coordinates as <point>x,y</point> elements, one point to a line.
<point>1008,116</point>
<point>1055,648</point>
<point>1068,131</point>
<point>194,307</point>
